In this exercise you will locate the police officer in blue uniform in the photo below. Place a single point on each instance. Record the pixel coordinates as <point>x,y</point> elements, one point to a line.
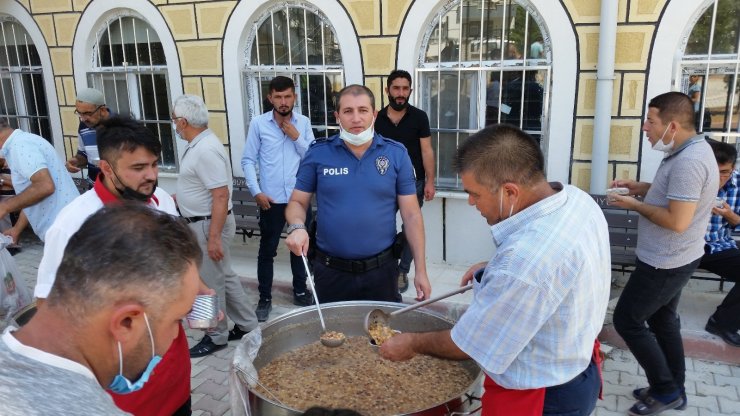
<point>361,180</point>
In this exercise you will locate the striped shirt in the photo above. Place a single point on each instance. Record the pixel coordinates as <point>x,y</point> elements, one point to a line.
<point>719,231</point>
<point>543,296</point>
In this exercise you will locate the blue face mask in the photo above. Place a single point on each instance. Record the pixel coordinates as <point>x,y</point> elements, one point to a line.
<point>122,385</point>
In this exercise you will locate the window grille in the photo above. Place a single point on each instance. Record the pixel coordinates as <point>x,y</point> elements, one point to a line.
<point>295,40</point>
<point>482,62</point>
<point>129,67</point>
<point>709,69</point>
<point>21,80</point>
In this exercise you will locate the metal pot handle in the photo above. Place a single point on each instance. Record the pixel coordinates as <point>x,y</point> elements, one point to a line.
<point>469,398</point>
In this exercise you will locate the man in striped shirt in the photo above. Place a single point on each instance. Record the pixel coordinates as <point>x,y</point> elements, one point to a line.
<point>722,255</point>
<point>540,301</point>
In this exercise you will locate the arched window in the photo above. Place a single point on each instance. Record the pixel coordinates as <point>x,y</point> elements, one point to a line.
<point>23,100</point>
<point>710,67</point>
<point>482,62</point>
<point>129,67</point>
<point>295,40</point>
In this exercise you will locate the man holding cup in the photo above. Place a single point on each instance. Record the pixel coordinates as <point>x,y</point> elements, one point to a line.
<point>673,219</point>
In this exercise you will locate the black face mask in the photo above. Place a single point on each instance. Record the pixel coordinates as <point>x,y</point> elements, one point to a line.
<point>131,194</point>
<point>396,106</point>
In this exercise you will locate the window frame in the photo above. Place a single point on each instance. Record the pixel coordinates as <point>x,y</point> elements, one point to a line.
<point>23,118</point>
<point>93,18</point>
<point>706,66</point>
<point>98,76</point>
<point>254,75</point>
<point>483,67</point>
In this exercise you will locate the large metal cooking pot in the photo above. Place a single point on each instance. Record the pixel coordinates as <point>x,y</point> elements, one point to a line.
<point>302,326</point>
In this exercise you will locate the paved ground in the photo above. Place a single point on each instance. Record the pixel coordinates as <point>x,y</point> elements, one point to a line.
<point>713,388</point>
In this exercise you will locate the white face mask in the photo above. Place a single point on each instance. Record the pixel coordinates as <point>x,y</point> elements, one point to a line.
<point>662,147</point>
<point>501,206</point>
<point>177,133</point>
<point>357,139</point>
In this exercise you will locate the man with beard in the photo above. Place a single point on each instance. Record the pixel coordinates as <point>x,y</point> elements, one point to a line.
<point>204,198</point>
<point>91,109</point>
<point>408,125</point>
<point>276,143</point>
<point>129,156</point>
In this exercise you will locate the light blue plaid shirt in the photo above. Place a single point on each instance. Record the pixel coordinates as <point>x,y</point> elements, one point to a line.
<point>543,297</point>
<point>719,231</point>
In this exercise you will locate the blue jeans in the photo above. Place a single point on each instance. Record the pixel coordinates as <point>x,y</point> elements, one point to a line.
<point>576,397</point>
<point>404,265</point>
<point>272,221</point>
<point>651,295</point>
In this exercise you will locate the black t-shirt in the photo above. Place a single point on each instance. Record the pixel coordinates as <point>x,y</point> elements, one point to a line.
<point>413,126</point>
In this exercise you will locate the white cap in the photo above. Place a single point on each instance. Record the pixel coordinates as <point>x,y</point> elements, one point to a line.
<point>90,95</point>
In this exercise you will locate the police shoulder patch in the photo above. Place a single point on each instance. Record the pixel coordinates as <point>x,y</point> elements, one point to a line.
<point>320,140</point>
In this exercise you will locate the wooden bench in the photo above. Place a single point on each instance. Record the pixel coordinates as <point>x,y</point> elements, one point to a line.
<point>245,209</point>
<point>623,240</point>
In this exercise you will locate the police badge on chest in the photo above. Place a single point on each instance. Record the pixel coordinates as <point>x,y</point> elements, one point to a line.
<point>382,163</point>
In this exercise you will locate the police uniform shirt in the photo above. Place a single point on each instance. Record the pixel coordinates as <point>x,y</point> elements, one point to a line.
<point>413,126</point>
<point>357,200</point>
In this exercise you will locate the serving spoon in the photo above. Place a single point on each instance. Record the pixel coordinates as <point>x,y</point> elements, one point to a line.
<point>378,317</point>
<point>326,340</point>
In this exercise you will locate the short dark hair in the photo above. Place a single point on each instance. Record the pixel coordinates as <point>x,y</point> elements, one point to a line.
<point>501,153</point>
<point>124,251</point>
<point>4,122</point>
<point>355,90</point>
<point>281,83</point>
<point>674,106</point>
<point>724,152</point>
<point>118,134</point>
<point>395,74</point>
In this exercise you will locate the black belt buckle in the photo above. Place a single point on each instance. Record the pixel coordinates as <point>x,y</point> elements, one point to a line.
<point>358,266</point>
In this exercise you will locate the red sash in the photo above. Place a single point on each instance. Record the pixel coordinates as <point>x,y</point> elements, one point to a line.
<point>500,401</point>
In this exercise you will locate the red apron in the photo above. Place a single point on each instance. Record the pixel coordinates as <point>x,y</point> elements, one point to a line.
<point>500,401</point>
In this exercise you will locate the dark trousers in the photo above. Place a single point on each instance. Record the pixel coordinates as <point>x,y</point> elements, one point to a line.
<point>336,286</point>
<point>576,397</point>
<point>404,265</point>
<point>272,221</point>
<point>726,264</point>
<point>651,295</point>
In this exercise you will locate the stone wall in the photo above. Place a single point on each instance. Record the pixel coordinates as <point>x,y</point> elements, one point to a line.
<point>635,32</point>
<point>198,29</point>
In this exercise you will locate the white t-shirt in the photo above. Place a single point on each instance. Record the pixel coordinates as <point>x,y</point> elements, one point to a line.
<point>67,223</point>
<point>34,382</point>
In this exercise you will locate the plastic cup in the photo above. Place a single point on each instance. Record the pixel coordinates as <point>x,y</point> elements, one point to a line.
<point>204,314</point>
<point>92,155</point>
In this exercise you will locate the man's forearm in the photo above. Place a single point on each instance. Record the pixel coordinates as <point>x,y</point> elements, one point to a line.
<point>218,215</point>
<point>427,160</point>
<point>295,212</point>
<point>438,344</point>
<point>30,196</point>
<point>415,237</point>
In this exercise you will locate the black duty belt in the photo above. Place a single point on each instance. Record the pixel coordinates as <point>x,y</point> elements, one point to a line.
<point>191,220</point>
<point>355,266</point>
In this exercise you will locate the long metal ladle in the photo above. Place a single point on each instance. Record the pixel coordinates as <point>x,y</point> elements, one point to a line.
<point>378,317</point>
<point>325,340</point>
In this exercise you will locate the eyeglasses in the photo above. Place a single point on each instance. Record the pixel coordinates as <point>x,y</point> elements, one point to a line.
<point>88,113</point>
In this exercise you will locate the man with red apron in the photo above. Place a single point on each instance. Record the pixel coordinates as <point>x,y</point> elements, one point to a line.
<point>540,302</point>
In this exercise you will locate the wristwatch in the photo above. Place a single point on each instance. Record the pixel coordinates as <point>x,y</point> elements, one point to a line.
<point>293,227</point>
